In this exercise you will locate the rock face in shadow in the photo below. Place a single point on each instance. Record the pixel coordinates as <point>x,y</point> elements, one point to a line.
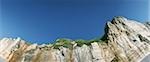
<point>124,41</point>
<point>146,59</point>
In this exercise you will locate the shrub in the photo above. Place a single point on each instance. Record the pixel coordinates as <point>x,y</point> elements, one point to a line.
<point>67,43</point>
<point>63,42</point>
<point>28,43</point>
<point>80,42</point>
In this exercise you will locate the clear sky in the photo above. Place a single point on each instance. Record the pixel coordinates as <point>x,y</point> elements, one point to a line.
<point>44,21</point>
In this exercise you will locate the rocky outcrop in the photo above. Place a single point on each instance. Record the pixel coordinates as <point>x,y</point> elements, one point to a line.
<point>124,41</point>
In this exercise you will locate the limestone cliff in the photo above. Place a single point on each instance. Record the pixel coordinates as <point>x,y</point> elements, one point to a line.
<point>124,41</point>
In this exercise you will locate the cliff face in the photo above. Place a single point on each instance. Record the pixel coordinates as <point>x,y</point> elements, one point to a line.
<point>124,41</point>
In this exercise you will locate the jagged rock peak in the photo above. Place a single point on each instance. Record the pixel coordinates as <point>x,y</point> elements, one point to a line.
<point>118,19</point>
<point>124,24</point>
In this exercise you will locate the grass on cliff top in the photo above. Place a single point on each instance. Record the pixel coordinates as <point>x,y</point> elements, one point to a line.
<point>68,43</point>
<point>63,42</point>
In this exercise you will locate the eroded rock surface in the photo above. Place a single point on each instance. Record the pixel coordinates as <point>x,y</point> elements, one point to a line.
<point>124,41</point>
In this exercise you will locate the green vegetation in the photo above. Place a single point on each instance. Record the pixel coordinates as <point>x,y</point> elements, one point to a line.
<point>28,43</point>
<point>81,42</point>
<point>104,38</point>
<point>67,43</point>
<point>63,42</point>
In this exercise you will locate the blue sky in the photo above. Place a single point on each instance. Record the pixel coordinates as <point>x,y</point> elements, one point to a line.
<point>44,21</point>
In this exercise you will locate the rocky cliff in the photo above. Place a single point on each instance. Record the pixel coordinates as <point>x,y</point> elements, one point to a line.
<point>124,41</point>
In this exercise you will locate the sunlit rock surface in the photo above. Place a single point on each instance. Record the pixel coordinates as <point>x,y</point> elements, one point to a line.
<point>124,41</point>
